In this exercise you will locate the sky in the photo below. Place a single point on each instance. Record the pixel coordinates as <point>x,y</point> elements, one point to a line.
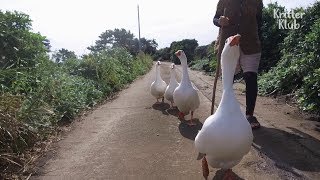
<point>76,24</point>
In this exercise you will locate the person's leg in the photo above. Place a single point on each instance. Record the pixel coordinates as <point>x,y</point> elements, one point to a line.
<point>250,79</point>
<point>250,65</point>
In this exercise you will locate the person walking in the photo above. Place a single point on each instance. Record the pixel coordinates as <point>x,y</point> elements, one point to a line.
<point>243,17</point>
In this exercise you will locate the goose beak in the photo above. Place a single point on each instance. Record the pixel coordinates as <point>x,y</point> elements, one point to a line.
<point>178,53</point>
<point>235,40</point>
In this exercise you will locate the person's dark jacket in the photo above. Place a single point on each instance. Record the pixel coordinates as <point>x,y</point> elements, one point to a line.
<point>245,18</point>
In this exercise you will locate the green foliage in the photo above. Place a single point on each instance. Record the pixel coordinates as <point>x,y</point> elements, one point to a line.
<point>162,54</point>
<point>309,93</point>
<point>148,46</point>
<point>111,69</point>
<point>141,64</point>
<point>201,52</point>
<point>121,38</point>
<point>19,47</point>
<point>15,136</point>
<point>206,59</point>
<point>271,38</point>
<point>63,54</point>
<point>207,65</point>
<point>37,98</point>
<point>113,38</point>
<point>201,65</point>
<point>37,92</point>
<point>187,45</point>
<point>297,71</point>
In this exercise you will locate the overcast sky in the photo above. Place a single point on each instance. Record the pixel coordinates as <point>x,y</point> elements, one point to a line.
<point>76,24</point>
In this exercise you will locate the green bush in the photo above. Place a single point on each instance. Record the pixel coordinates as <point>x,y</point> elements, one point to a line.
<point>15,137</point>
<point>203,65</point>
<point>271,37</point>
<point>309,93</point>
<point>206,59</point>
<point>44,95</point>
<point>36,93</point>
<point>297,71</point>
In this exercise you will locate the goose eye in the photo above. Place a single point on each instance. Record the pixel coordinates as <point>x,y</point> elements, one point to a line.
<point>226,41</point>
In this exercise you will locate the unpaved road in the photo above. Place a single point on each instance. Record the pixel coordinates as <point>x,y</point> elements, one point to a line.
<point>131,137</point>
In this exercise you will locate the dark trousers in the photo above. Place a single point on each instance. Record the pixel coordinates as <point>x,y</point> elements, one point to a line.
<point>250,79</point>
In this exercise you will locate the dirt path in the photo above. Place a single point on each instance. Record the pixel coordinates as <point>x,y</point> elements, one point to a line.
<point>133,138</point>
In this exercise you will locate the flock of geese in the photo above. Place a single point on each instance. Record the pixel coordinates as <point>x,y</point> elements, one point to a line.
<point>226,136</point>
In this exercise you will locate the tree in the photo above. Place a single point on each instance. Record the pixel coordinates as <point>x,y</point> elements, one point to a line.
<point>187,45</point>
<point>114,38</point>
<point>63,54</point>
<point>122,38</point>
<point>201,52</point>
<point>148,46</point>
<point>19,47</point>
<point>272,37</point>
<point>162,54</point>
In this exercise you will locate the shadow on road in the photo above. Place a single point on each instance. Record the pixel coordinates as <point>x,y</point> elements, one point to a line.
<point>220,174</point>
<point>289,150</point>
<point>188,131</point>
<point>173,111</point>
<point>161,107</point>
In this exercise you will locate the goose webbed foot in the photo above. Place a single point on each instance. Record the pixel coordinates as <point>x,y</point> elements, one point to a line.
<point>162,99</point>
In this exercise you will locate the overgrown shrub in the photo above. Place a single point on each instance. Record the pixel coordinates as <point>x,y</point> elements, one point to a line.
<point>309,93</point>
<point>204,65</point>
<point>15,136</point>
<point>297,71</point>
<point>271,37</point>
<point>45,94</point>
<point>206,58</point>
<point>37,92</point>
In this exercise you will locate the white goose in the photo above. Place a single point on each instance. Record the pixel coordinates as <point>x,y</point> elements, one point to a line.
<point>226,136</point>
<point>158,87</point>
<point>172,85</point>
<point>185,96</point>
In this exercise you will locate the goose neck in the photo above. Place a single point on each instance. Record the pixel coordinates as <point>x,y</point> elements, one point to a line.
<point>157,73</point>
<point>228,102</point>
<point>173,75</point>
<point>228,67</point>
<point>227,81</point>
<point>185,74</point>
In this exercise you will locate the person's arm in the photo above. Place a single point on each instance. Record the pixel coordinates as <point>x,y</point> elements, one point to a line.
<point>219,13</point>
<point>259,18</point>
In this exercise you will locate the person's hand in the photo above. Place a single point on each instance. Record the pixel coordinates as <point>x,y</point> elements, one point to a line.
<point>223,21</point>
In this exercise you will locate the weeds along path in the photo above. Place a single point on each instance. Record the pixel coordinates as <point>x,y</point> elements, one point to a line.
<point>131,137</point>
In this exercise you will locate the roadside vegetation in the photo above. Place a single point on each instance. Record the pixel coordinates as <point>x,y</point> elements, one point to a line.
<point>38,90</point>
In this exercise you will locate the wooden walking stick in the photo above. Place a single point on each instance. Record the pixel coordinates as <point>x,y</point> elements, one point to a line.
<point>217,70</point>
<point>215,85</point>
